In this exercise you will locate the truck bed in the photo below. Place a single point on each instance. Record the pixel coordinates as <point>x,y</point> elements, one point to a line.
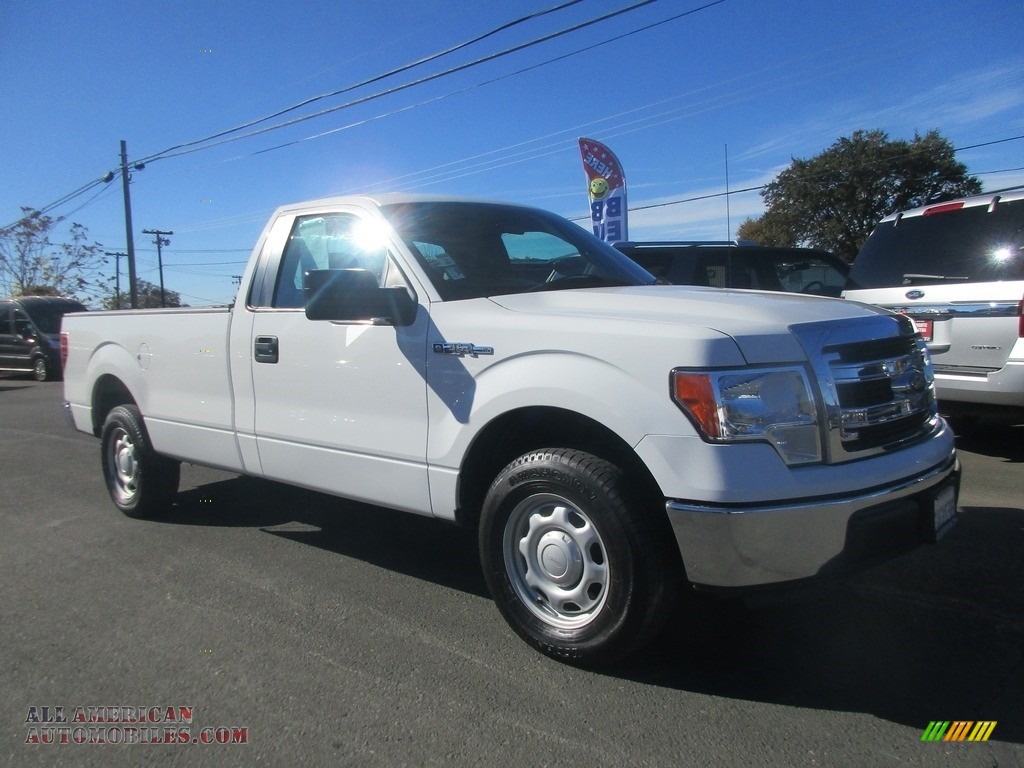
<point>175,362</point>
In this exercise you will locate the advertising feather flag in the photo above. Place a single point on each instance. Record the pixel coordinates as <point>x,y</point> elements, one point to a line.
<point>606,188</point>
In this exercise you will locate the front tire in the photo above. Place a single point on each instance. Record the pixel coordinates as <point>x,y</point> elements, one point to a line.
<point>575,563</point>
<point>40,369</point>
<point>141,482</point>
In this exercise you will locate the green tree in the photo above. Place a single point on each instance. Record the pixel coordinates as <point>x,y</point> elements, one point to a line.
<point>767,230</point>
<point>149,297</point>
<point>835,199</point>
<point>31,262</point>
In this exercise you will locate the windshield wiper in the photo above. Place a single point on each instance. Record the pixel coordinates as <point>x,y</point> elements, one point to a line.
<point>577,281</point>
<point>911,278</point>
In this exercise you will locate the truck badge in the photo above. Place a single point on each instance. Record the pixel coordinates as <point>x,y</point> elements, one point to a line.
<point>461,349</point>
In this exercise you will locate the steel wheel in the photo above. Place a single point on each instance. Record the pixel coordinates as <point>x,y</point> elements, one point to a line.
<point>122,466</point>
<point>556,561</point>
<point>576,557</point>
<point>141,482</point>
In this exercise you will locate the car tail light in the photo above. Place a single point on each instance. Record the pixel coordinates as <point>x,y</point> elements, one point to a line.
<point>1020,319</point>
<point>63,349</point>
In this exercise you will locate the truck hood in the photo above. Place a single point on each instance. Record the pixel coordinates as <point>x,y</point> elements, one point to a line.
<point>760,322</point>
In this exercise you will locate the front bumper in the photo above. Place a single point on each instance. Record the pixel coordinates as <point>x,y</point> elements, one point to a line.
<point>742,546</point>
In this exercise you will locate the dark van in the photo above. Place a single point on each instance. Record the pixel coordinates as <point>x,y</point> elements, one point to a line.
<point>30,334</point>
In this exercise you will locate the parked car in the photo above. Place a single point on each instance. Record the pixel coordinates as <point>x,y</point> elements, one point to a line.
<point>741,264</point>
<point>30,334</point>
<point>957,269</point>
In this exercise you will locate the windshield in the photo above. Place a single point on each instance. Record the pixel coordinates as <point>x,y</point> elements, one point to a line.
<point>471,250</point>
<point>47,315</point>
<point>963,245</point>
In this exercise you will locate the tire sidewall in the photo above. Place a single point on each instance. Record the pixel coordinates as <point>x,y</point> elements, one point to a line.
<point>552,473</point>
<point>157,477</point>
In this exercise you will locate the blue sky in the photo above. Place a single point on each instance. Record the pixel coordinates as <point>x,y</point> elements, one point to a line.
<point>770,81</point>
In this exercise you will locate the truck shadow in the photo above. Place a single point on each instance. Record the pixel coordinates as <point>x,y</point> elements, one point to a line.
<point>999,438</point>
<point>937,634</point>
<point>420,547</point>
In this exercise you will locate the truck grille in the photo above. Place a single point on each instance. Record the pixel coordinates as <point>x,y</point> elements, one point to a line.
<point>876,384</point>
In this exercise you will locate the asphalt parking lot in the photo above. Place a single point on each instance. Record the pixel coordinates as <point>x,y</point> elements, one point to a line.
<point>340,634</point>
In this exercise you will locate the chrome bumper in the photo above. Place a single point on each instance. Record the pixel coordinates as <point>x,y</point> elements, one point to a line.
<point>750,546</point>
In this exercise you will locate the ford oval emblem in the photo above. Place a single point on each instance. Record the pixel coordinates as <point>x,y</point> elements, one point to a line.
<point>915,294</point>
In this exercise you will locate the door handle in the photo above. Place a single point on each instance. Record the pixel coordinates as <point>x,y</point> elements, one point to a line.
<point>265,350</point>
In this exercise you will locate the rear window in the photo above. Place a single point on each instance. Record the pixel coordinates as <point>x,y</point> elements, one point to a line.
<point>967,245</point>
<point>47,316</point>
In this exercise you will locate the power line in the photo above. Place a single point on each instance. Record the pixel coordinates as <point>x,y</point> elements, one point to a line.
<point>762,186</point>
<point>371,80</point>
<point>405,86</point>
<point>59,201</point>
<point>167,153</point>
<point>586,49</point>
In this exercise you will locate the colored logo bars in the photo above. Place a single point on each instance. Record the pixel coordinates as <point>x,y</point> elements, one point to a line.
<point>958,730</point>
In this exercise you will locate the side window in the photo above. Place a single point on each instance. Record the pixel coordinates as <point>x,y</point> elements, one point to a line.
<point>327,241</point>
<point>712,271</point>
<point>811,276</point>
<point>439,260</point>
<point>22,326</point>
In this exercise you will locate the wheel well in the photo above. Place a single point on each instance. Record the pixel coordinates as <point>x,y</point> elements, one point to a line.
<point>108,393</point>
<point>520,431</point>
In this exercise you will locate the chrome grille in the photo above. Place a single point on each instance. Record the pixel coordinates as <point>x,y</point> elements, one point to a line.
<point>876,384</point>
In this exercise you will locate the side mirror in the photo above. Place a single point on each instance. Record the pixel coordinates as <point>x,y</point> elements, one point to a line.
<point>353,294</point>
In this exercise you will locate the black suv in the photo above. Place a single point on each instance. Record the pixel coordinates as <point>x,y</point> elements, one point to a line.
<point>740,264</point>
<point>30,334</point>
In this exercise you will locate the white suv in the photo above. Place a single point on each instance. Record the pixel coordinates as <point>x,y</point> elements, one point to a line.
<point>957,269</point>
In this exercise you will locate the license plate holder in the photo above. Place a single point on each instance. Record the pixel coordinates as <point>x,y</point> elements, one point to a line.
<point>926,328</point>
<point>945,511</point>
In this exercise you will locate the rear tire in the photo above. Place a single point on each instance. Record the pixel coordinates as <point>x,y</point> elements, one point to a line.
<point>576,564</point>
<point>141,482</point>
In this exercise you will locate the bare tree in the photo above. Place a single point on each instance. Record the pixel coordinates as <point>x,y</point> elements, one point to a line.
<point>31,262</point>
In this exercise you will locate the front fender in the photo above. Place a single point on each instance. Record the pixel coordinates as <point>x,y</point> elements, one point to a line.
<point>461,402</point>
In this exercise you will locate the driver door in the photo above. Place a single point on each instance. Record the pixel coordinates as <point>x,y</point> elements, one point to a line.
<point>339,406</point>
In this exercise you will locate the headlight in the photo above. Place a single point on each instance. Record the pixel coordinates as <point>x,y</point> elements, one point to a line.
<point>770,405</point>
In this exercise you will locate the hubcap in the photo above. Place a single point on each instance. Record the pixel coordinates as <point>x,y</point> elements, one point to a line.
<point>123,467</point>
<point>556,561</point>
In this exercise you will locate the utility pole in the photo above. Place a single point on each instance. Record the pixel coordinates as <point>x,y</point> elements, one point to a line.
<point>132,286</point>
<point>117,276</point>
<point>125,178</point>
<point>160,240</point>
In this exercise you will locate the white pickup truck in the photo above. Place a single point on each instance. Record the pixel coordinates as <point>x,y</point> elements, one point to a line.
<point>497,366</point>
